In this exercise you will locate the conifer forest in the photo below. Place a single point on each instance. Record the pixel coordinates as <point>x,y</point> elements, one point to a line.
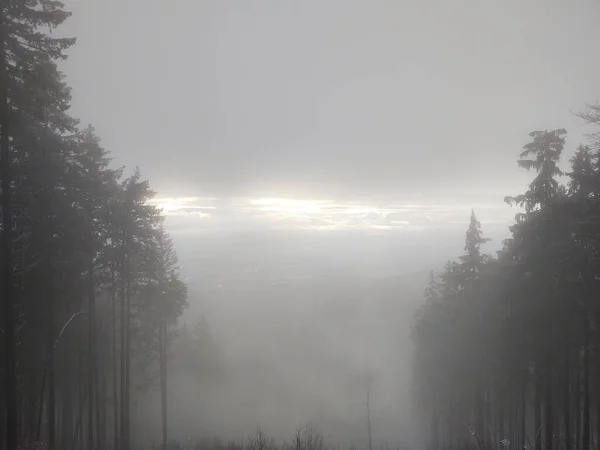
<point>90,283</point>
<point>504,346</point>
<point>507,348</point>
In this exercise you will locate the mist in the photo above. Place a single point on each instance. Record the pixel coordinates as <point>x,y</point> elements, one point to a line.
<point>299,335</point>
<point>299,225</point>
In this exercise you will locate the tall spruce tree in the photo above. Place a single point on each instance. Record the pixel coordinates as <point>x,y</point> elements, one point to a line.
<point>76,237</point>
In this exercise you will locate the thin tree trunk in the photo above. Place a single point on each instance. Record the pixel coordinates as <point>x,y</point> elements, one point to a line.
<point>537,408</point>
<point>567,397</point>
<point>128,434</point>
<point>83,387</point>
<point>2,396</point>
<point>585,441</point>
<point>67,410</point>
<point>479,413</point>
<point>488,415</point>
<point>578,404</point>
<point>115,365</point>
<point>126,350</point>
<point>78,435</point>
<point>163,379</point>
<point>549,413</point>
<point>67,403</point>
<point>597,399</point>
<point>123,440</point>
<point>102,413</point>
<point>10,376</point>
<point>500,425</point>
<point>79,431</point>
<point>92,382</point>
<point>41,405</point>
<point>511,419</point>
<point>523,414</point>
<point>51,363</point>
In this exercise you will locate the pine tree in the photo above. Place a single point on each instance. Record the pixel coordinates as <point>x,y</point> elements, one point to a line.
<point>75,235</point>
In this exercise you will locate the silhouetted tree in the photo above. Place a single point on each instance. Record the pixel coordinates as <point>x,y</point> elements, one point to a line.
<point>510,344</point>
<point>79,247</point>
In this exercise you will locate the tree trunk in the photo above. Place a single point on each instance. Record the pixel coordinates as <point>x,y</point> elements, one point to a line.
<point>101,411</point>
<point>67,411</point>
<point>51,363</point>
<point>548,406</point>
<point>163,379</point>
<point>577,441</point>
<point>78,428</point>
<point>115,384</point>
<point>500,421</point>
<point>479,413</point>
<point>67,403</point>
<point>567,397</point>
<point>523,414</point>
<point>10,363</point>
<point>128,441</point>
<point>585,439</point>
<point>126,351</point>
<point>2,396</point>
<point>511,419</point>
<point>597,399</point>
<point>488,415</point>
<point>123,440</point>
<point>93,379</point>
<point>537,408</point>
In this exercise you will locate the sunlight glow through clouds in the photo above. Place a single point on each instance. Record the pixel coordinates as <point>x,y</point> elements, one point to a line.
<point>183,206</point>
<point>324,215</point>
<point>288,206</point>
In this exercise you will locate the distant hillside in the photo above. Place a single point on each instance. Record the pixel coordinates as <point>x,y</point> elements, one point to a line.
<point>300,323</point>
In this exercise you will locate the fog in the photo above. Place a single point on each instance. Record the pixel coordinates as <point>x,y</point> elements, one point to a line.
<point>384,122</point>
<point>328,233</point>
<point>300,331</point>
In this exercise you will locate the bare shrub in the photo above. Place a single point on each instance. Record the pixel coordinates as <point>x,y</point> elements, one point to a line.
<point>307,437</point>
<point>260,441</point>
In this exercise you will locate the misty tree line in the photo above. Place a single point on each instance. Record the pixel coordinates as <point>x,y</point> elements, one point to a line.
<point>90,284</point>
<point>507,349</point>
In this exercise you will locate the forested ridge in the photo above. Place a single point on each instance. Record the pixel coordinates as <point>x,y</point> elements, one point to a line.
<point>507,349</point>
<point>90,282</point>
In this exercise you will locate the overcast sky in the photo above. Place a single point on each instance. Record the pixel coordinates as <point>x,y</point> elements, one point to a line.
<point>331,99</point>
